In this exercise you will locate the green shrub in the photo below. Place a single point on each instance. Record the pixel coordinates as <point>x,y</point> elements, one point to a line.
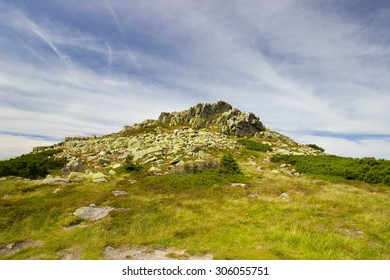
<point>386,180</point>
<point>33,165</point>
<point>229,165</point>
<point>314,146</point>
<point>373,177</point>
<point>130,166</point>
<point>254,145</point>
<point>370,170</point>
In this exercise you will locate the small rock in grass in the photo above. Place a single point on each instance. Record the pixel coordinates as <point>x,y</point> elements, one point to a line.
<point>92,213</point>
<point>118,193</point>
<point>239,185</point>
<point>112,172</point>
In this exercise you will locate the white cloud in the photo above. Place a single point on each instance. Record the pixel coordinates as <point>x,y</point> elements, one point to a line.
<point>296,66</point>
<point>378,148</point>
<point>16,145</point>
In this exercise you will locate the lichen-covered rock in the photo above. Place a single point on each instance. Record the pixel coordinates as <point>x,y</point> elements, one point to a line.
<point>232,121</point>
<point>77,176</point>
<point>92,213</point>
<point>97,177</point>
<point>50,180</point>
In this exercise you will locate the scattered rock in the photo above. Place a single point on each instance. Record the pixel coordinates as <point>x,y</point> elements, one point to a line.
<point>154,169</point>
<point>56,190</point>
<point>92,213</point>
<point>285,196</point>
<point>77,176</point>
<point>118,193</point>
<point>275,171</point>
<point>74,165</point>
<point>50,180</point>
<point>239,185</point>
<point>116,165</point>
<point>111,172</point>
<point>144,253</point>
<point>132,181</point>
<point>72,253</point>
<point>98,177</point>
<point>10,249</point>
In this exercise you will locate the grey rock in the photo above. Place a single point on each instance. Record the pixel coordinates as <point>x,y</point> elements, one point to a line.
<point>74,165</point>
<point>111,172</point>
<point>97,177</point>
<point>92,213</point>
<point>116,165</point>
<point>118,193</point>
<point>55,181</point>
<point>77,176</point>
<point>239,185</point>
<point>154,169</point>
<point>180,163</point>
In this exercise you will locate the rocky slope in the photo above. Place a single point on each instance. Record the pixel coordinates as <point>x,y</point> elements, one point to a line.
<point>197,135</point>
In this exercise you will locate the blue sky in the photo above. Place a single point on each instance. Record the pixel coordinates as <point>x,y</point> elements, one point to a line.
<point>317,72</point>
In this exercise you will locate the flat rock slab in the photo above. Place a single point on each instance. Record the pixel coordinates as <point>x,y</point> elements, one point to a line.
<point>92,213</point>
<point>239,185</point>
<point>72,253</point>
<point>145,253</point>
<point>118,193</point>
<point>10,249</point>
<point>55,181</point>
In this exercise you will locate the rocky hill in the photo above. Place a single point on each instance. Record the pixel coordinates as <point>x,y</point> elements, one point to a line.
<point>210,182</point>
<point>202,133</point>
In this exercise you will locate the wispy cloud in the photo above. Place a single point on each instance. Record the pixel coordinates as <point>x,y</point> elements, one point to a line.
<point>301,67</point>
<point>109,55</point>
<point>114,15</point>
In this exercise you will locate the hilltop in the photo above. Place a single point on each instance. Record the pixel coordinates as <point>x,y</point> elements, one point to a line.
<point>202,132</point>
<point>207,182</point>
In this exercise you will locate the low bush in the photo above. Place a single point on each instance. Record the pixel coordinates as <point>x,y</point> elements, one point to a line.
<point>314,146</point>
<point>32,166</point>
<point>229,165</point>
<point>369,170</point>
<point>254,145</point>
<point>130,166</point>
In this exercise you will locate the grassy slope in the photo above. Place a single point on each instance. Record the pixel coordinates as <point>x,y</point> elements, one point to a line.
<point>320,219</point>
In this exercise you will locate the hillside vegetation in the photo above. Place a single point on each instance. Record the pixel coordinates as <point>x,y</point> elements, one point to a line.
<point>33,166</point>
<point>369,170</point>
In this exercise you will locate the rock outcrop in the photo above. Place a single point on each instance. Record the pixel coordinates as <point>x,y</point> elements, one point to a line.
<point>231,121</point>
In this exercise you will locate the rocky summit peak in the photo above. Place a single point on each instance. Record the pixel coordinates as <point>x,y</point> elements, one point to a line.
<point>229,120</point>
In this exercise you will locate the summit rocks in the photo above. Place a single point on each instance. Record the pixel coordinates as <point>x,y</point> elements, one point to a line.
<point>229,120</point>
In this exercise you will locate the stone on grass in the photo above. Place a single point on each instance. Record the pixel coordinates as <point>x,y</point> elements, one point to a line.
<point>55,180</point>
<point>92,213</point>
<point>239,185</point>
<point>77,176</point>
<point>112,172</point>
<point>118,193</point>
<point>154,169</point>
<point>98,177</point>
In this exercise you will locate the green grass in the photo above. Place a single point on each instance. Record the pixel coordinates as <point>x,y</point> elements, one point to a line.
<point>254,145</point>
<point>202,213</point>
